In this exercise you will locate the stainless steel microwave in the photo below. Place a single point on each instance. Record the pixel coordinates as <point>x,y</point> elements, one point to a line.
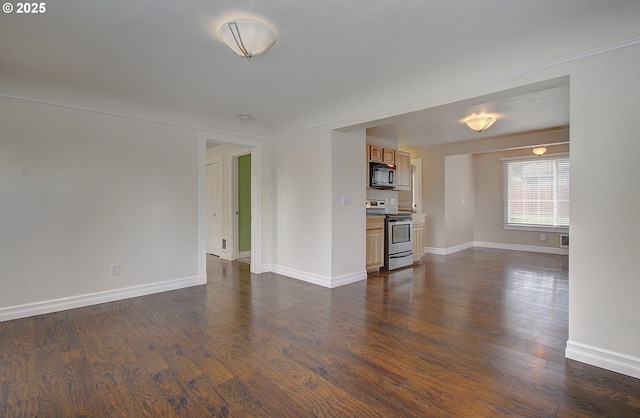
<point>382,176</point>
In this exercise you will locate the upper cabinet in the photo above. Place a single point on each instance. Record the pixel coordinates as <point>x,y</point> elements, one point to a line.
<point>403,171</point>
<point>375,153</point>
<point>381,155</point>
<point>400,159</point>
<point>389,156</point>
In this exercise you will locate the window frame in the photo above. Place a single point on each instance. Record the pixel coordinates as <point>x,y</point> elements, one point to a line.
<point>505,198</point>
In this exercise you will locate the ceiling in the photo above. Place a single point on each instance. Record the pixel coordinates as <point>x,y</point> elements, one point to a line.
<point>162,60</point>
<point>533,107</point>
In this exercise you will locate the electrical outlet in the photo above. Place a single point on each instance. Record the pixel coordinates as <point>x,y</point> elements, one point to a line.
<point>543,237</point>
<point>115,269</point>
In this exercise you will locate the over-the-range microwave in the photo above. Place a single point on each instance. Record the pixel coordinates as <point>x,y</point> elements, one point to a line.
<point>382,176</point>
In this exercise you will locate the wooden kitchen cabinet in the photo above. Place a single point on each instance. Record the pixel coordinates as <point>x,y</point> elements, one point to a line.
<point>388,156</point>
<point>403,171</point>
<point>418,235</point>
<point>375,242</point>
<point>375,153</point>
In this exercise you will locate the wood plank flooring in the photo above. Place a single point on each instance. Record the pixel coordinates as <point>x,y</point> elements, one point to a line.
<point>478,333</point>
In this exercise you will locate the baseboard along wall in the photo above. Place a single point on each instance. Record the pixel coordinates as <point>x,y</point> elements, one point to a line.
<point>72,302</point>
<point>496,245</point>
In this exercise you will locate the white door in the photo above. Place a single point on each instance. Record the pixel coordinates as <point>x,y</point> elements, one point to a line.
<point>214,208</point>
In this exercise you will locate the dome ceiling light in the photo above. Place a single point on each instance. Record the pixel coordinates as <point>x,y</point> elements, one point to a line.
<point>539,150</point>
<point>247,38</point>
<point>480,123</point>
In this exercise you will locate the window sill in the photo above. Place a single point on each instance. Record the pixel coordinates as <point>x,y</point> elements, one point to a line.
<point>536,228</point>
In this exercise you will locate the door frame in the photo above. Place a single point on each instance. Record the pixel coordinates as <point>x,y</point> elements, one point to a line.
<point>235,225</point>
<point>216,160</point>
<point>256,198</point>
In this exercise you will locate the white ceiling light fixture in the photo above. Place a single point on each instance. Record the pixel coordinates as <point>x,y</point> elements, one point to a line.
<point>247,38</point>
<point>539,150</point>
<point>480,123</point>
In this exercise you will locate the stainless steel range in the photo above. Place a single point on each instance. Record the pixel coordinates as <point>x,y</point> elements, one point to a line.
<point>398,244</point>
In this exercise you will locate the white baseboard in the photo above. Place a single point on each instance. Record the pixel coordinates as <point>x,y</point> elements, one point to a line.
<point>434,250</point>
<point>62,304</point>
<point>605,359</point>
<point>260,268</point>
<point>244,254</point>
<point>448,250</point>
<point>517,247</point>
<point>348,278</point>
<point>496,245</point>
<point>318,279</point>
<point>302,275</point>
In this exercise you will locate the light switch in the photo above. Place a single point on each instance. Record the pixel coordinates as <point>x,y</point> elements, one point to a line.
<point>346,200</point>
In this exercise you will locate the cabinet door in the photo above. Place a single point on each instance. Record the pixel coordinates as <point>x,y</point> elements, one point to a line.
<point>375,249</point>
<point>375,154</point>
<point>375,242</point>
<point>403,171</point>
<point>389,156</point>
<point>418,242</point>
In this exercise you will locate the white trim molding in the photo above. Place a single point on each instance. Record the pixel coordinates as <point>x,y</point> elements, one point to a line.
<point>605,359</point>
<point>317,279</point>
<point>435,250</point>
<point>348,278</point>
<point>496,245</point>
<point>72,302</point>
<point>448,250</point>
<point>518,247</point>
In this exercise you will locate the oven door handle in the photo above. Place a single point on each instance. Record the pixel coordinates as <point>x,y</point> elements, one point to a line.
<point>402,254</point>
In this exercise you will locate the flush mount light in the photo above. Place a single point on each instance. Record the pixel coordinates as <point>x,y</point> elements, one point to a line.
<point>247,38</point>
<point>539,150</point>
<point>480,123</point>
<point>245,118</point>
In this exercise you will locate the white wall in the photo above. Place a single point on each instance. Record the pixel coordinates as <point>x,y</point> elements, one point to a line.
<point>348,217</point>
<point>459,200</point>
<point>604,261</point>
<point>317,238</point>
<point>301,205</point>
<point>80,191</point>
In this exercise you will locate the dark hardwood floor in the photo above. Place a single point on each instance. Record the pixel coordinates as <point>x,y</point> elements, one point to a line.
<point>477,333</point>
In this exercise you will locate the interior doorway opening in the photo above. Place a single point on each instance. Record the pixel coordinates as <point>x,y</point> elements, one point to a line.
<point>231,202</point>
<point>242,189</point>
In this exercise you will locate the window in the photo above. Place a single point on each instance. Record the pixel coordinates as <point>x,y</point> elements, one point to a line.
<point>536,192</point>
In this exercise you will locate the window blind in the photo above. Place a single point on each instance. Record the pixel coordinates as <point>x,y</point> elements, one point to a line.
<point>536,191</point>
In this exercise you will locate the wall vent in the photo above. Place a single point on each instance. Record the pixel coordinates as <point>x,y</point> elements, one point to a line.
<point>564,241</point>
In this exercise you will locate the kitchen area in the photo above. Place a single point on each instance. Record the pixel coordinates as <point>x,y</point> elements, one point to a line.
<point>395,231</point>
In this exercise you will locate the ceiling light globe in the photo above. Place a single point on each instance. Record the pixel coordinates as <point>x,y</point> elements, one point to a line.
<point>539,150</point>
<point>480,123</point>
<point>247,38</point>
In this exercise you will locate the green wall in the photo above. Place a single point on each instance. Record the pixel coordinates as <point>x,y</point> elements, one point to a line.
<point>244,203</point>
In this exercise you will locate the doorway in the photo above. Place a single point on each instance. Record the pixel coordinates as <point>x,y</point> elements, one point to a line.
<point>243,201</point>
<point>229,153</point>
<point>214,207</point>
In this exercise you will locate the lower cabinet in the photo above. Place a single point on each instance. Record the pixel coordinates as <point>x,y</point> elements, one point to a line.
<point>418,235</point>
<point>375,242</point>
